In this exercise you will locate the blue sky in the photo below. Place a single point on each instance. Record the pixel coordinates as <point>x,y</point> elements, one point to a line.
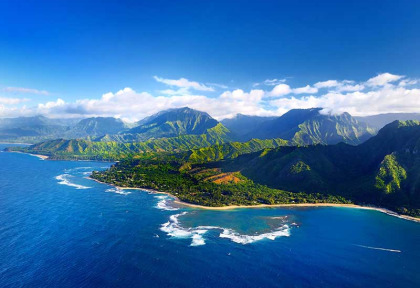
<point>81,50</point>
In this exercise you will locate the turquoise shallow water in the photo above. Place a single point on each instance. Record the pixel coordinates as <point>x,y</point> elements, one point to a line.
<point>59,229</point>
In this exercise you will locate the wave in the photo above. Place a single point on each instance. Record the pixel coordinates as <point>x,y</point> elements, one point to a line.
<point>63,180</point>
<point>174,229</point>
<point>117,191</point>
<point>378,248</point>
<point>163,203</point>
<point>282,231</point>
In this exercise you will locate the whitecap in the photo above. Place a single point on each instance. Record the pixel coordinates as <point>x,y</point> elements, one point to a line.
<point>63,180</point>
<point>117,191</point>
<point>173,229</point>
<point>163,203</point>
<point>196,234</point>
<point>282,231</point>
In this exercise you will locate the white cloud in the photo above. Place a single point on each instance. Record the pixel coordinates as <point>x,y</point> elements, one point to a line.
<point>26,90</point>
<point>349,87</point>
<point>339,86</point>
<point>386,100</point>
<point>305,90</point>
<point>270,82</point>
<point>12,101</point>
<point>184,83</point>
<point>132,105</point>
<point>383,79</point>
<point>408,82</point>
<point>222,86</point>
<point>280,90</point>
<point>326,84</point>
<point>357,98</point>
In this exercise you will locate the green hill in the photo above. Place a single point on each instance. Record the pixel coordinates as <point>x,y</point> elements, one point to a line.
<point>112,150</point>
<point>385,170</point>
<point>170,123</point>
<point>30,129</point>
<point>309,126</point>
<point>94,127</point>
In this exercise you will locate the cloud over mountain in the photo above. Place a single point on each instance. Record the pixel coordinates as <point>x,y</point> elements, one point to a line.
<point>383,93</point>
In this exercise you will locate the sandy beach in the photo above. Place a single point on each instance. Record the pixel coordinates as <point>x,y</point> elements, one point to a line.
<point>43,157</point>
<point>303,205</point>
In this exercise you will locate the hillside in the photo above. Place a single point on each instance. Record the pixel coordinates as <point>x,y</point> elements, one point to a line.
<point>39,128</point>
<point>383,171</point>
<point>111,150</point>
<point>172,123</point>
<point>229,150</point>
<point>309,126</point>
<point>94,127</point>
<point>31,129</point>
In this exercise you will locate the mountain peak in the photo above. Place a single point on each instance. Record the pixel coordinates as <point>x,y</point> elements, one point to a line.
<point>174,122</point>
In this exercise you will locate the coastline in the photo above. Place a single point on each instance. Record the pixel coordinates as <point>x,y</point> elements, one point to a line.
<point>232,207</point>
<point>42,157</point>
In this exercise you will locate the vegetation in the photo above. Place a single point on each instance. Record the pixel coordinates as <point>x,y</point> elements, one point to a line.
<point>209,169</point>
<point>390,175</point>
<point>385,170</point>
<point>200,186</point>
<point>309,126</point>
<point>197,149</point>
<point>80,149</point>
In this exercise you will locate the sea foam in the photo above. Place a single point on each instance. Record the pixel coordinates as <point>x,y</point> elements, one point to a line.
<point>63,180</point>
<point>117,191</point>
<point>283,231</point>
<point>174,229</point>
<point>163,203</point>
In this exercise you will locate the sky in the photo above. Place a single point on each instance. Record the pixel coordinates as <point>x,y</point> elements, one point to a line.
<point>130,59</point>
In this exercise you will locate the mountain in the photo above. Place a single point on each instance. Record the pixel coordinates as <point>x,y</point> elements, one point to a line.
<point>29,128</point>
<point>242,125</point>
<point>94,127</point>
<point>309,126</point>
<point>172,123</point>
<point>385,170</point>
<point>229,150</point>
<point>175,122</point>
<point>39,128</point>
<point>165,124</point>
<point>84,149</point>
<point>380,120</point>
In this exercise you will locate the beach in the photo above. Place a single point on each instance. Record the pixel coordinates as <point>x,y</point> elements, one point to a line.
<point>43,157</point>
<point>296,205</point>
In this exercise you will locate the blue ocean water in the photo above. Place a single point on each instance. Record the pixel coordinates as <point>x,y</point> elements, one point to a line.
<point>59,229</point>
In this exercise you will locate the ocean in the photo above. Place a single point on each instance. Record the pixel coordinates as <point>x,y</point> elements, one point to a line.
<point>60,229</point>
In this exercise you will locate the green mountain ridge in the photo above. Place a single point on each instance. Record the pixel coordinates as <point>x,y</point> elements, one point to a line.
<point>383,171</point>
<point>111,150</point>
<point>94,127</point>
<point>310,126</point>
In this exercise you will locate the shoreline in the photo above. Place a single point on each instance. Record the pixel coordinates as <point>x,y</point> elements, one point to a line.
<point>42,157</point>
<point>257,206</point>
